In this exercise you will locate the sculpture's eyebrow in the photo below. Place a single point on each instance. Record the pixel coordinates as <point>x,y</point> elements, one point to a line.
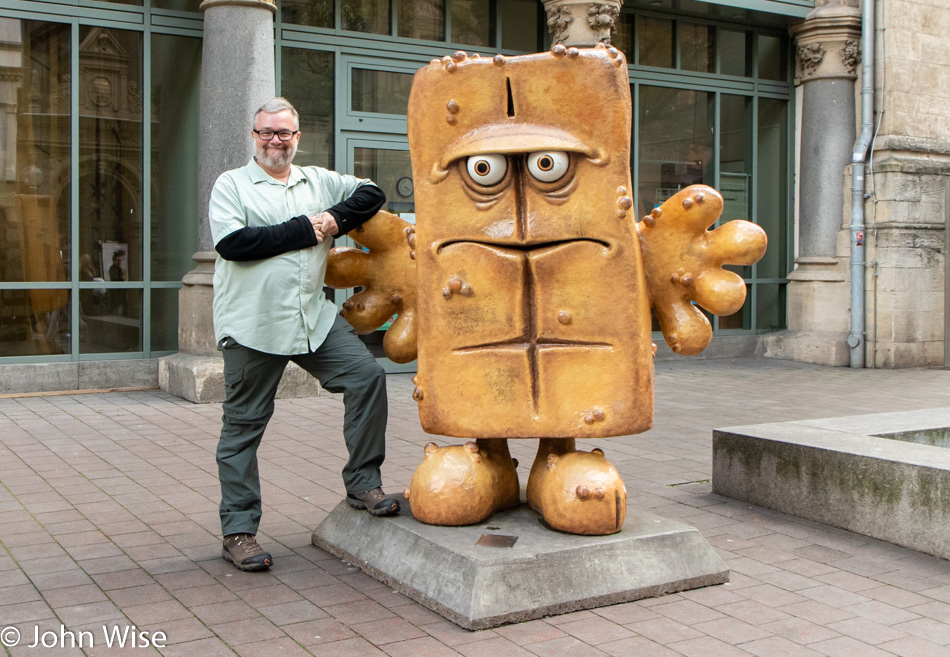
<point>508,138</point>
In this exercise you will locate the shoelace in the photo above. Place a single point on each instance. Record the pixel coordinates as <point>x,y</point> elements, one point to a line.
<point>246,543</point>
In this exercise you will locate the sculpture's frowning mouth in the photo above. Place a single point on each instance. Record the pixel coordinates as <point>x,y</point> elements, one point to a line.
<point>524,246</point>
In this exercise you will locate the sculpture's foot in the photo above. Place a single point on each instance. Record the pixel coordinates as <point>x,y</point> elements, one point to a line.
<point>463,484</point>
<point>576,492</point>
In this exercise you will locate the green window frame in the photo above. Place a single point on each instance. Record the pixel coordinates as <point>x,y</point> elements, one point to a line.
<point>78,18</point>
<point>766,282</point>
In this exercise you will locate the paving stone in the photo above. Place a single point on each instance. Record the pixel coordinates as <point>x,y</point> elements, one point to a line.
<point>249,630</point>
<point>535,631</point>
<point>567,646</point>
<point>593,631</point>
<point>801,631</point>
<point>280,647</point>
<point>917,647</point>
<point>778,647</point>
<point>867,631</point>
<point>707,647</point>
<point>797,588</point>
<point>424,647</point>
<point>664,630</point>
<point>494,647</point>
<point>356,647</point>
<point>846,646</point>
<point>637,646</point>
<point>732,630</point>
<point>297,611</point>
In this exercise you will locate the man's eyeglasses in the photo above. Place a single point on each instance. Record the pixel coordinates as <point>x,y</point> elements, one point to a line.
<point>267,135</point>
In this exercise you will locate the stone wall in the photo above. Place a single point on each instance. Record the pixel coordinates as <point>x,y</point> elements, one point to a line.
<point>907,212</point>
<point>916,71</point>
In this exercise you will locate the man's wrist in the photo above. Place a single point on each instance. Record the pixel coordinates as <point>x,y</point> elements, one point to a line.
<point>332,225</point>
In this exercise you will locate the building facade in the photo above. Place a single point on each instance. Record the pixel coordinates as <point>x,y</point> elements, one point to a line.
<point>114,122</point>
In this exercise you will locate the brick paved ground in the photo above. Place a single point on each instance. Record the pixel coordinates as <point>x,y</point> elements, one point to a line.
<point>108,517</point>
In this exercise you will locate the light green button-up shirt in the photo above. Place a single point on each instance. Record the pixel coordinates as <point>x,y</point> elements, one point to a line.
<point>275,305</point>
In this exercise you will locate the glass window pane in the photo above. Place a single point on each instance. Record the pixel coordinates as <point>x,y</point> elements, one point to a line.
<point>735,163</point>
<point>655,42</point>
<point>176,90</point>
<point>473,22</point>
<point>733,52</point>
<point>770,314</point>
<point>771,58</point>
<point>386,92</point>
<point>519,24</point>
<point>307,82</point>
<point>366,16</point>
<point>164,319</point>
<point>315,13</point>
<point>34,151</point>
<point>114,323</point>
<point>675,142</point>
<point>110,151</point>
<point>772,185</point>
<point>391,170</point>
<point>697,47</point>
<point>34,322</point>
<point>622,38</point>
<point>178,5</point>
<point>422,19</point>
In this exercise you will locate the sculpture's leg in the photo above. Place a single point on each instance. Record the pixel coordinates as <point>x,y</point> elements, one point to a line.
<point>576,492</point>
<point>463,484</point>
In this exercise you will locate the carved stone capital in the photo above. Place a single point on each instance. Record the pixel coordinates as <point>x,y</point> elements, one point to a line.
<point>270,5</point>
<point>828,43</point>
<point>835,7</point>
<point>581,23</point>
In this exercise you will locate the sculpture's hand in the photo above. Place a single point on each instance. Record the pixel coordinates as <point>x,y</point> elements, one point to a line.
<point>683,263</point>
<point>388,276</point>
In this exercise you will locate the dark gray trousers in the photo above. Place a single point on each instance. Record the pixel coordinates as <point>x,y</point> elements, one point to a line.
<point>341,364</point>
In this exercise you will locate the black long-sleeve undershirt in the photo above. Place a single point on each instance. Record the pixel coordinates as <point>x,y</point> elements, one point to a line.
<point>259,242</point>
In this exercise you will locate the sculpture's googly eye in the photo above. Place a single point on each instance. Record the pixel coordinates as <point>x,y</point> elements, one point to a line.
<point>548,166</point>
<point>487,169</point>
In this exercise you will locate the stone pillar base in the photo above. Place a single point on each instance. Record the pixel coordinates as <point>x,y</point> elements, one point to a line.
<point>200,379</point>
<point>820,348</point>
<point>818,319</point>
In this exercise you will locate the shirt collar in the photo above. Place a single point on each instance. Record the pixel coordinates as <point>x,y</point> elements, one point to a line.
<point>257,174</point>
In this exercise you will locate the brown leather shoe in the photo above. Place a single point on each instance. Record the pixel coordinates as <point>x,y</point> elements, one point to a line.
<point>374,501</point>
<point>245,553</point>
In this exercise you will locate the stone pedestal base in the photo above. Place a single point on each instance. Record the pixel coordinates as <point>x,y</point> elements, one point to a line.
<point>200,379</point>
<point>476,579</point>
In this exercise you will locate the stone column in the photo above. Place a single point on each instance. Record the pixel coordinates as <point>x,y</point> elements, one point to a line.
<point>828,54</point>
<point>237,77</point>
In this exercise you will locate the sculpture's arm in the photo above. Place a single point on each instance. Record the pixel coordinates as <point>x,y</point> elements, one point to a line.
<point>387,273</point>
<point>683,264</point>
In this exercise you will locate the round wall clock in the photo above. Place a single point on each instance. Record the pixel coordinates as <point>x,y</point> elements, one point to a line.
<point>404,186</point>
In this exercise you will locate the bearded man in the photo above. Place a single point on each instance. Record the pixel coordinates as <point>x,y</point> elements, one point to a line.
<point>272,224</point>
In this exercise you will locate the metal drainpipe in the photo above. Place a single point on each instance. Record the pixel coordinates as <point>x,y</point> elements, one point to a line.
<point>856,340</point>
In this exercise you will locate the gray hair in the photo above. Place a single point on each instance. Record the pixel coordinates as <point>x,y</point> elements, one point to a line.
<point>275,105</point>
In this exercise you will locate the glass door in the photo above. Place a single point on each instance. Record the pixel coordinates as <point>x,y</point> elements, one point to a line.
<point>384,159</point>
